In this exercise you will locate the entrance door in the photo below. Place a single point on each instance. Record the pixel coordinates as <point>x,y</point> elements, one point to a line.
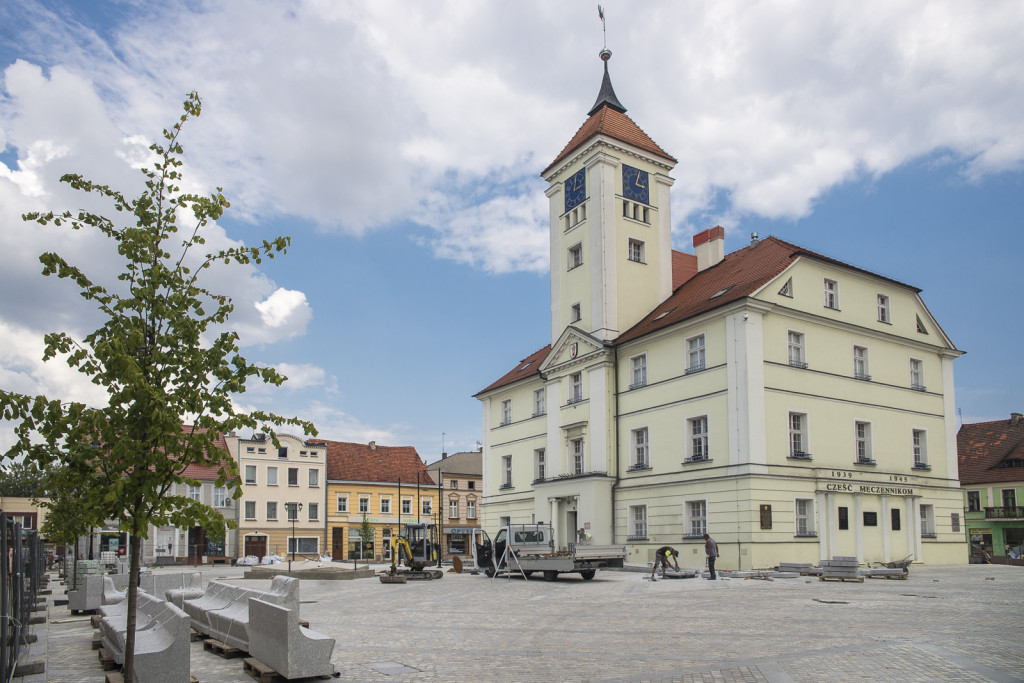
<point>256,545</point>
<point>569,539</point>
<point>338,543</point>
<point>196,544</point>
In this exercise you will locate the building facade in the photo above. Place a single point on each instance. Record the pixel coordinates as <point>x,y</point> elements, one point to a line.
<point>791,405</point>
<point>991,457</point>
<point>281,510</point>
<point>383,487</point>
<point>461,479</point>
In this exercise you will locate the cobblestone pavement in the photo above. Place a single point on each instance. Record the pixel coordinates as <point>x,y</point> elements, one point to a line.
<point>942,624</point>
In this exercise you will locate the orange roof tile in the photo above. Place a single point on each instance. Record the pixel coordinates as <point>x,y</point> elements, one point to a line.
<point>987,452</point>
<point>614,124</point>
<point>684,266</point>
<point>527,367</point>
<point>385,464</point>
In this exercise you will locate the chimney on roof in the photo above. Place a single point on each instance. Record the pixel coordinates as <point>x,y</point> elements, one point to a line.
<point>709,246</point>
<point>1015,419</point>
<point>373,445</point>
<point>755,239</point>
<point>444,455</point>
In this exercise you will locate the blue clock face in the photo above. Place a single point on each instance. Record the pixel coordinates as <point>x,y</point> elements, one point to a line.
<point>636,184</point>
<point>575,189</point>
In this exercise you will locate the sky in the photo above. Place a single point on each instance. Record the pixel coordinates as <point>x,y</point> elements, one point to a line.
<point>399,145</point>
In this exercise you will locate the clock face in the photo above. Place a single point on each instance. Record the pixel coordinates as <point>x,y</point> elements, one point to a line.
<point>635,184</point>
<point>575,189</point>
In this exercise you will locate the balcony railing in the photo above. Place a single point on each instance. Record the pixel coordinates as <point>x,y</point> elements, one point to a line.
<point>793,363</point>
<point>1015,512</point>
<point>639,466</point>
<point>800,455</point>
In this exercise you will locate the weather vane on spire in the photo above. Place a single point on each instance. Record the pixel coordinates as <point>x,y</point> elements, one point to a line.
<point>605,53</point>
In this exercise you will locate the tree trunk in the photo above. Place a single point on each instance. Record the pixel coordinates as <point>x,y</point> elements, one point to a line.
<point>135,553</point>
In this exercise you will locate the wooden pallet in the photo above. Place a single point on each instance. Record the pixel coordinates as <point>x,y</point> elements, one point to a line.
<point>194,635</point>
<point>97,641</point>
<point>851,579</point>
<point>222,649</point>
<point>106,660</point>
<point>118,677</point>
<point>260,671</point>
<point>895,577</point>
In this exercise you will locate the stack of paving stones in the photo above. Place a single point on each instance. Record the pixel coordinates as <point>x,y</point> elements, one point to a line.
<point>800,568</point>
<point>840,568</point>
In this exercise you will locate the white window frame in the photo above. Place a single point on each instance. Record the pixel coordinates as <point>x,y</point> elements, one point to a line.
<point>195,492</point>
<point>884,313</point>
<point>297,543</point>
<point>635,251</point>
<point>863,452</point>
<point>926,514</point>
<point>540,402</point>
<point>342,503</point>
<point>919,440</point>
<point>798,445</point>
<point>470,509</point>
<point>637,522</point>
<point>696,353</point>
<point>427,506</point>
<point>385,505</point>
<point>638,371</point>
<point>506,411</point>
<point>640,450</point>
<point>540,464</point>
<point>313,511</point>
<point>364,505</point>
<point>272,476</point>
<point>295,471</point>
<point>314,478</point>
<point>406,506</point>
<point>250,469</point>
<point>861,366</point>
<point>917,374</point>
<point>453,508</point>
<point>576,387</point>
<point>797,356</point>
<point>697,442</point>
<point>506,465</point>
<point>803,517</point>
<point>271,510</point>
<point>575,255</point>
<point>578,455</point>
<point>576,313</point>
<point>695,516</point>
<point>249,509</point>
<point>831,294</point>
<point>220,497</point>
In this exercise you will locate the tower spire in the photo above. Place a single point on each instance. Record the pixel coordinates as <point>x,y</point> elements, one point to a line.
<point>606,96</point>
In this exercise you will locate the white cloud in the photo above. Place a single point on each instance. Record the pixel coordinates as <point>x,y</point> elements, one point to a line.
<point>305,376</point>
<point>284,308</point>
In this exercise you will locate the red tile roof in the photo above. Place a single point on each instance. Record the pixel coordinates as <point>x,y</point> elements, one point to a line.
<point>737,276</point>
<point>984,450</point>
<point>204,472</point>
<point>366,462</point>
<point>614,124</point>
<point>684,266</point>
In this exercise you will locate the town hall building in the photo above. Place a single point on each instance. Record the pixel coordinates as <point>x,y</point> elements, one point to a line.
<point>791,405</point>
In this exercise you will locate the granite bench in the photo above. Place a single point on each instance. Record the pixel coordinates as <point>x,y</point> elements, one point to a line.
<point>95,590</point>
<point>175,587</point>
<point>277,640</point>
<point>162,650</point>
<point>114,620</point>
<point>222,612</point>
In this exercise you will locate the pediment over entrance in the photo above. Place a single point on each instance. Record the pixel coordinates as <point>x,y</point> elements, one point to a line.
<point>572,347</point>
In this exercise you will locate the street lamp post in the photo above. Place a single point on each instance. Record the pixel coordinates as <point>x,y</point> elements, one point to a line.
<point>293,512</point>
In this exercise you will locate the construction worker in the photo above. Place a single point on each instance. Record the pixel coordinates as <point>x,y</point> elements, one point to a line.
<point>662,556</point>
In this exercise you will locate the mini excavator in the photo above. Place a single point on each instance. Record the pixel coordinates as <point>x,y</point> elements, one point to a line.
<point>413,551</point>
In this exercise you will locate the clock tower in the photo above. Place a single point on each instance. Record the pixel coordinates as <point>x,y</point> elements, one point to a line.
<point>611,243</point>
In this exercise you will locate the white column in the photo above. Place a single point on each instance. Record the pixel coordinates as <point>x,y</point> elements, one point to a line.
<point>913,532</point>
<point>597,443</point>
<point>745,375</point>
<point>554,446</point>
<point>858,525</point>
<point>663,185</point>
<point>601,261</point>
<point>824,515</point>
<point>554,516</point>
<point>886,528</point>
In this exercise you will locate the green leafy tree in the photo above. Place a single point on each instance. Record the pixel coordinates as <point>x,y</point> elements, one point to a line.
<point>365,533</point>
<point>21,480</point>
<point>164,355</point>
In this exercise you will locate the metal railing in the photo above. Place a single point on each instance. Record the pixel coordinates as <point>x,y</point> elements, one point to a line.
<point>22,570</point>
<point>1005,512</point>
